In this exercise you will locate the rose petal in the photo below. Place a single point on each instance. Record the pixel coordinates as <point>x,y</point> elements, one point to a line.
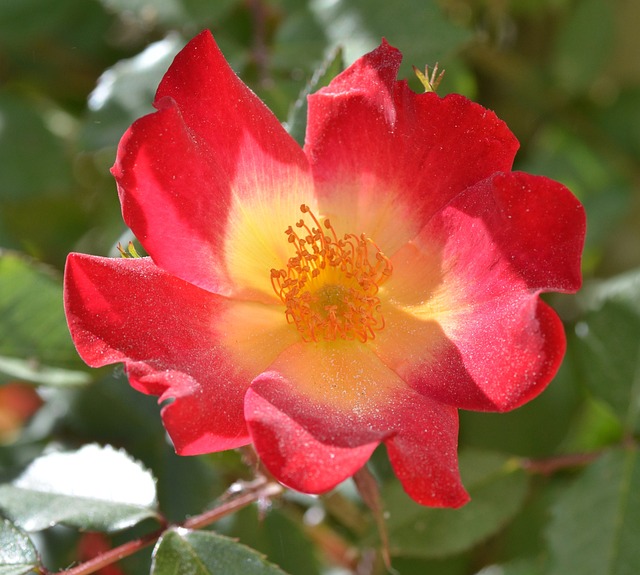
<point>536,223</point>
<point>293,455</point>
<point>464,323</point>
<point>164,330</point>
<point>335,398</point>
<point>386,159</point>
<point>186,172</point>
<point>317,415</point>
<point>424,453</point>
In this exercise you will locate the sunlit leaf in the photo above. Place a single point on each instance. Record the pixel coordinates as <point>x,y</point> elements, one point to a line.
<point>126,91</point>
<point>17,553</point>
<point>513,568</point>
<point>594,528</point>
<point>94,488</point>
<point>497,490</point>
<point>170,12</point>
<point>206,553</point>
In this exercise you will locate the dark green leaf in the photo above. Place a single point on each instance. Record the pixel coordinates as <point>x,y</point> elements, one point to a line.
<point>34,340</point>
<point>17,553</point>
<point>94,488</point>
<point>533,430</point>
<point>608,345</point>
<point>594,528</point>
<point>497,488</point>
<point>278,535</point>
<point>205,553</point>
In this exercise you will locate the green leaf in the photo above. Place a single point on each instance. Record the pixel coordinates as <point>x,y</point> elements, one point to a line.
<point>607,343</point>
<point>266,535</point>
<point>126,91</point>
<point>34,340</point>
<point>171,13</point>
<point>497,488</point>
<point>297,121</point>
<point>94,488</point>
<point>425,36</point>
<point>205,553</point>
<point>594,528</point>
<point>520,431</point>
<point>519,567</point>
<point>17,553</point>
<point>569,157</point>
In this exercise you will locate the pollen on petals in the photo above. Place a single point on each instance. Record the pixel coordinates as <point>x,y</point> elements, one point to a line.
<point>330,286</point>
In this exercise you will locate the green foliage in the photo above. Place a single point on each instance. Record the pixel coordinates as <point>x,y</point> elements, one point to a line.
<point>93,488</point>
<point>17,553</point>
<point>608,343</point>
<point>497,488</point>
<point>200,553</point>
<point>34,340</point>
<point>564,74</point>
<point>585,44</point>
<point>594,529</point>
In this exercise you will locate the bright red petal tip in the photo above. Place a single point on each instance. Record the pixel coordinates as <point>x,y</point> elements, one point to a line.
<point>424,453</point>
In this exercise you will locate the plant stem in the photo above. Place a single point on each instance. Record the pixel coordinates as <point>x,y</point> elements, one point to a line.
<point>260,489</point>
<point>550,465</point>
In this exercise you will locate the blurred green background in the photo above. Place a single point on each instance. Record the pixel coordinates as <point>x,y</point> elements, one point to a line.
<point>563,74</point>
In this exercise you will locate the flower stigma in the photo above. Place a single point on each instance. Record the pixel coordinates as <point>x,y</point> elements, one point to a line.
<point>330,286</point>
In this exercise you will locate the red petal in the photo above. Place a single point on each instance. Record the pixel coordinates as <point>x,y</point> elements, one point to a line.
<point>182,171</point>
<point>424,453</point>
<point>293,455</point>
<point>382,154</point>
<point>164,330</point>
<point>536,223</point>
<point>317,417</point>
<point>325,403</point>
<point>469,329</point>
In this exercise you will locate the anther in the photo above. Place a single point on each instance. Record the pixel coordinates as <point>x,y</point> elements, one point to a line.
<point>330,286</point>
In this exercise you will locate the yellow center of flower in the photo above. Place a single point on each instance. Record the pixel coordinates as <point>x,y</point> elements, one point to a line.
<point>330,286</point>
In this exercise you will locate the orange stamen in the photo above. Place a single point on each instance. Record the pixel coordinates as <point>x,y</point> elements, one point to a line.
<point>330,285</point>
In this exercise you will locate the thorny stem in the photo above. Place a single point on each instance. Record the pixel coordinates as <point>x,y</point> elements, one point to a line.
<point>264,488</point>
<point>259,490</point>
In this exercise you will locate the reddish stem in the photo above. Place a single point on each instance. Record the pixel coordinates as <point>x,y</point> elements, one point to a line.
<point>256,491</point>
<point>552,464</point>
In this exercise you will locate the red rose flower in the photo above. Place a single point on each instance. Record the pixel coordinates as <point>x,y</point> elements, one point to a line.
<point>317,302</point>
